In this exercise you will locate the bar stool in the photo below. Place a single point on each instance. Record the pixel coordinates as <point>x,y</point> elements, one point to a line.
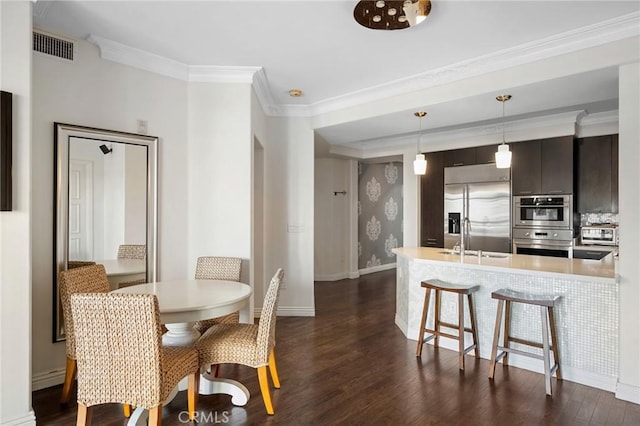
<point>546,303</point>
<point>462,290</point>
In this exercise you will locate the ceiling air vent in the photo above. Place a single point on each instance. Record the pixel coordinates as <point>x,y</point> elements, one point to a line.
<point>53,46</point>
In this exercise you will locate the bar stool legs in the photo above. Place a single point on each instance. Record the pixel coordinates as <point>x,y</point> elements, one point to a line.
<point>546,304</point>
<point>440,286</point>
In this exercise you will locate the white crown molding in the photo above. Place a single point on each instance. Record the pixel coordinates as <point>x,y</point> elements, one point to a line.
<point>561,124</point>
<point>593,35</point>
<point>263,93</point>
<point>604,32</point>
<point>221,74</point>
<point>137,58</point>
<point>602,123</point>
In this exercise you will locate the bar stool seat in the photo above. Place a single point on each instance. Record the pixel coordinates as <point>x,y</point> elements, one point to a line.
<point>546,303</point>
<point>461,290</point>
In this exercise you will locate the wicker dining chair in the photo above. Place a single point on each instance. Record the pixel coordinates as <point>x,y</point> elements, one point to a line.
<point>248,344</point>
<point>72,264</point>
<point>87,279</point>
<point>121,358</point>
<point>218,268</point>
<point>132,251</point>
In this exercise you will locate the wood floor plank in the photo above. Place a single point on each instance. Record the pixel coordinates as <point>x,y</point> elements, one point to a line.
<point>351,365</point>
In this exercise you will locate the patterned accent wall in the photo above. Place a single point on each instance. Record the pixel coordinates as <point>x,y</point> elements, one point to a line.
<point>379,213</point>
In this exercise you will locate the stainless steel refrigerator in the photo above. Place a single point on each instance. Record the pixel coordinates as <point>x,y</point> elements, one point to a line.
<point>478,197</point>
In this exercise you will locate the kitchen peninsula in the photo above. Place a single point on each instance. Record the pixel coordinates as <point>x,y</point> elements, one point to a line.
<point>586,317</point>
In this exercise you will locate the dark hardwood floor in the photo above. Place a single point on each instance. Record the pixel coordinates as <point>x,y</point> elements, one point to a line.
<point>352,365</point>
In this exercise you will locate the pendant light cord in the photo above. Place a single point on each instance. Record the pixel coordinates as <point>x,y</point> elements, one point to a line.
<point>419,135</point>
<point>503,122</point>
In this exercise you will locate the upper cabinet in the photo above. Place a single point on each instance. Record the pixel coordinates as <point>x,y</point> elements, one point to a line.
<point>459,157</point>
<point>597,174</point>
<point>542,166</point>
<point>432,201</point>
<point>468,156</point>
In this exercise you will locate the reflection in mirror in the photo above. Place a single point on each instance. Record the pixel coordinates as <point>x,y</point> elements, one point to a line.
<point>105,206</point>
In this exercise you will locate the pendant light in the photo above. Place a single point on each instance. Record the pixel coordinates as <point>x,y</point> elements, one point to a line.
<point>420,163</point>
<point>503,156</point>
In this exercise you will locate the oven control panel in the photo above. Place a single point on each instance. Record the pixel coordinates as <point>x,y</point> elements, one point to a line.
<point>542,234</point>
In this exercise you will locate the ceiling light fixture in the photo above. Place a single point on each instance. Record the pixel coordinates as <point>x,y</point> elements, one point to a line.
<point>391,15</point>
<point>295,93</point>
<point>503,156</point>
<point>420,163</point>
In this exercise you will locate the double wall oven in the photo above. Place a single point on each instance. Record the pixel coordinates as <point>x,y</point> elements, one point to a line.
<point>543,225</point>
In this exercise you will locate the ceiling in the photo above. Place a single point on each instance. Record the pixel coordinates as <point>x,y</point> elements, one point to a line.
<point>318,47</point>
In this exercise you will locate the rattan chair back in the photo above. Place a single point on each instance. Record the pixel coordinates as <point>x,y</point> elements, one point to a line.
<point>86,279</point>
<point>132,251</point>
<point>267,326</point>
<point>72,264</point>
<point>218,268</point>
<point>118,349</point>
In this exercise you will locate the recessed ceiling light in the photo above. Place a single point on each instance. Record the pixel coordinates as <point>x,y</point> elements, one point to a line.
<point>295,93</point>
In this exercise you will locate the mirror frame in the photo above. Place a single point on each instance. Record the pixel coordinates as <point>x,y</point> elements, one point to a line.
<point>62,134</point>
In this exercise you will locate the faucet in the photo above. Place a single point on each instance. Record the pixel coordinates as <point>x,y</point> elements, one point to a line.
<point>464,229</point>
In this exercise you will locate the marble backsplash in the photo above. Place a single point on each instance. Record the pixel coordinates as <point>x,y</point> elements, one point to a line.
<point>590,218</point>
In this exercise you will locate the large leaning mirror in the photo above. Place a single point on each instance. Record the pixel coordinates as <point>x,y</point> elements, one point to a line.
<point>106,208</point>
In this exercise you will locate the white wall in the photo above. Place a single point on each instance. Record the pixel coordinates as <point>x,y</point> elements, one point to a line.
<point>289,215</point>
<point>332,224</point>
<point>629,196</point>
<point>219,187</point>
<point>114,201</point>
<point>93,92</point>
<point>258,276</point>
<point>15,226</point>
<point>135,192</point>
<point>88,150</point>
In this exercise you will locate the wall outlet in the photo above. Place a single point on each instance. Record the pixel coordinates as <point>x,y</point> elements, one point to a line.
<point>142,127</point>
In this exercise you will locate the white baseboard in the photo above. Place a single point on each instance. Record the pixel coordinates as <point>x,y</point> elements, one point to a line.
<point>288,311</point>
<point>628,393</point>
<point>46,380</point>
<point>584,377</point>
<point>296,311</point>
<point>338,276</point>
<point>378,268</point>
<point>28,419</point>
<point>402,325</point>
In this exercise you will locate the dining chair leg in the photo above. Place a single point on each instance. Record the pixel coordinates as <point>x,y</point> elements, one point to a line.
<point>273,370</point>
<point>155,416</point>
<point>264,389</point>
<point>84,415</point>
<point>126,408</point>
<point>192,393</point>
<point>69,377</point>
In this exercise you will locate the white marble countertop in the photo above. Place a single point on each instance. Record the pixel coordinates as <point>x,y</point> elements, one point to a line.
<point>580,268</point>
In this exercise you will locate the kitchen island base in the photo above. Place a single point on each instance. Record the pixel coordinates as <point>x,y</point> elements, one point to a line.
<point>587,315</point>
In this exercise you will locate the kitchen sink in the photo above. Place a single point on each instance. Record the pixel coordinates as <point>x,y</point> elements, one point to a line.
<point>475,253</point>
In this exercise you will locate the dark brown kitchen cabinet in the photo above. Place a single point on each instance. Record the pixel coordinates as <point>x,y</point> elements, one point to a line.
<point>598,174</point>
<point>459,157</point>
<point>556,173</point>
<point>432,201</point>
<point>525,167</point>
<point>486,154</point>
<point>469,156</point>
<point>542,166</point>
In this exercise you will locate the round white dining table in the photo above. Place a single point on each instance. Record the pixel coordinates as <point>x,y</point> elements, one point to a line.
<point>181,304</point>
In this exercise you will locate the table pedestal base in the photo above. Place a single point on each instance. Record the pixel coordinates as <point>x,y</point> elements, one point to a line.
<point>238,392</point>
<point>180,334</point>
